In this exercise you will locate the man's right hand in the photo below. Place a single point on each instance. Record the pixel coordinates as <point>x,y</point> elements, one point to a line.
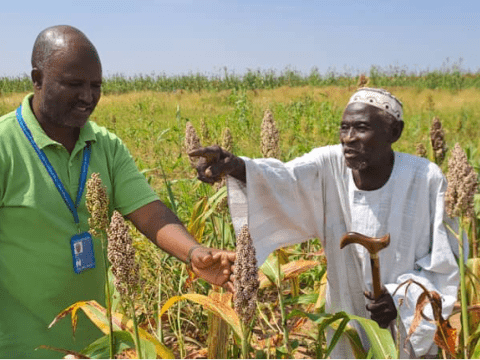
<point>217,163</point>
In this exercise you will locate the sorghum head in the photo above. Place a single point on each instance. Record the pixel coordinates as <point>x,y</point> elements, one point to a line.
<point>437,138</point>
<point>227,140</point>
<point>192,142</point>
<point>97,204</point>
<point>462,184</point>
<point>270,136</point>
<point>121,255</point>
<point>246,277</point>
<point>205,132</point>
<point>421,150</point>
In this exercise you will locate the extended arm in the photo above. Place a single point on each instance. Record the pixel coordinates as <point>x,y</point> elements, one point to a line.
<point>159,224</point>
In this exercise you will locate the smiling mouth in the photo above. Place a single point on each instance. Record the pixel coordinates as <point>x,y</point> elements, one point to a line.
<point>83,109</point>
<point>350,152</point>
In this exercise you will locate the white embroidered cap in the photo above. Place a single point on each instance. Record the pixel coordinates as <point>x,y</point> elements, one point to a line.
<point>379,98</point>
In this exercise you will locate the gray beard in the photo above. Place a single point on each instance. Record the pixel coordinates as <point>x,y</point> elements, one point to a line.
<point>358,165</point>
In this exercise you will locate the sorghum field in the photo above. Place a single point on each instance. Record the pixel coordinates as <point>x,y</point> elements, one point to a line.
<point>151,113</point>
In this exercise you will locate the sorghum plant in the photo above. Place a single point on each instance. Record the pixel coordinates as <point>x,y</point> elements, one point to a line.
<point>462,186</point>
<point>437,137</point>
<point>227,140</point>
<point>97,205</point>
<point>246,284</point>
<point>205,132</point>
<point>121,255</point>
<point>192,142</point>
<point>270,136</point>
<point>421,150</point>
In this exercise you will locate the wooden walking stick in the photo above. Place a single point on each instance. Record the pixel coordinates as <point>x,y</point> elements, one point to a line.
<point>373,245</point>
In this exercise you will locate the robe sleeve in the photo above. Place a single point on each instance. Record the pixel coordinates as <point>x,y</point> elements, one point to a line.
<point>278,202</point>
<point>436,269</point>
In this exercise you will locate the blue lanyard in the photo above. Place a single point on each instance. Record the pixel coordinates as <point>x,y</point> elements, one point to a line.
<point>51,171</point>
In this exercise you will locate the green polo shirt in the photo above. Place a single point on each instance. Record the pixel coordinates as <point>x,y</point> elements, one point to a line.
<point>37,280</point>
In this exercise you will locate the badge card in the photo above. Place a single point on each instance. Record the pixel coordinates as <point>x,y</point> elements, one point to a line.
<point>82,252</point>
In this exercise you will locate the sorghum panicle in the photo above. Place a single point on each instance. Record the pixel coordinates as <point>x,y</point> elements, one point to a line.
<point>227,140</point>
<point>121,255</point>
<point>97,204</point>
<point>437,137</point>
<point>270,136</point>
<point>205,132</point>
<point>362,81</point>
<point>421,150</point>
<point>246,277</point>
<point>462,184</point>
<point>192,142</point>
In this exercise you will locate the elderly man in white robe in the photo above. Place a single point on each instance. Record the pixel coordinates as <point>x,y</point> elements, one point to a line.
<point>360,185</point>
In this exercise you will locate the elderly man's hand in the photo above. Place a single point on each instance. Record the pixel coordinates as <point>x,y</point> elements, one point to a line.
<point>216,163</point>
<point>383,309</point>
<point>214,266</point>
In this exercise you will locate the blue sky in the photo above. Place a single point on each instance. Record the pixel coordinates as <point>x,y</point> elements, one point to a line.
<point>182,36</point>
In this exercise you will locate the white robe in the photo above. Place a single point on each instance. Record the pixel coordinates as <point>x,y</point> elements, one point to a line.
<point>314,196</point>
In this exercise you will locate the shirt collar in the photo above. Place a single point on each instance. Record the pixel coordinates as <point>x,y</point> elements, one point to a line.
<point>39,135</point>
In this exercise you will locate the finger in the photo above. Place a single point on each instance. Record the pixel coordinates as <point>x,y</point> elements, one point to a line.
<point>229,287</point>
<point>210,153</point>
<point>204,152</point>
<point>206,175</point>
<point>230,255</point>
<point>207,259</point>
<point>221,167</point>
<point>368,295</point>
<point>219,255</point>
<point>376,307</point>
<point>208,180</point>
<point>203,260</point>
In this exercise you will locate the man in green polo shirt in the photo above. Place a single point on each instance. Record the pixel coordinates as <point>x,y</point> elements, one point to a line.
<point>37,277</point>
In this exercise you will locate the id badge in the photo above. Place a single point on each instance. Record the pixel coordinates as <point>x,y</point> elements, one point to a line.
<point>82,252</point>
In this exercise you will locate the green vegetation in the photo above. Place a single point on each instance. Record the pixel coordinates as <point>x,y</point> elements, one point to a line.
<point>151,117</point>
<point>451,76</point>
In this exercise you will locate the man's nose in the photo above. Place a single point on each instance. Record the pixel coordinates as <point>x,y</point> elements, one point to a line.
<point>86,94</point>
<point>350,135</point>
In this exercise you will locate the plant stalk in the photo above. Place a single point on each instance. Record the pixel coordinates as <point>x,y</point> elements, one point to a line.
<point>463,292</point>
<point>282,308</point>
<point>159,319</point>
<point>474,237</point>
<point>108,301</point>
<point>135,329</point>
<point>245,341</point>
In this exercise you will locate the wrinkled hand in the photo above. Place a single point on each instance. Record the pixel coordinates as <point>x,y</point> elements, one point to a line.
<point>216,163</point>
<point>382,310</point>
<point>214,266</point>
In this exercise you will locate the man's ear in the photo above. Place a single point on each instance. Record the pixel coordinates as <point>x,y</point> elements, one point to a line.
<point>37,77</point>
<point>396,130</point>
